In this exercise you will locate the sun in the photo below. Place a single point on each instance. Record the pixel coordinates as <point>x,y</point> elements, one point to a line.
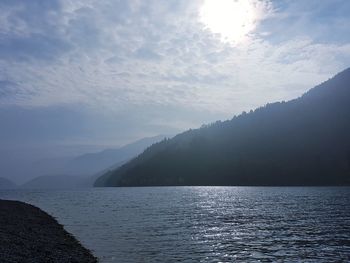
<point>231,19</point>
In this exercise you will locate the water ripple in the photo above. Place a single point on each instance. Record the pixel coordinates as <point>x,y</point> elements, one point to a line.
<point>204,224</point>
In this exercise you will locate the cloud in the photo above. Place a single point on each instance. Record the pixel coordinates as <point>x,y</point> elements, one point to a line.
<point>94,74</point>
<point>118,56</point>
<point>31,30</point>
<point>7,89</point>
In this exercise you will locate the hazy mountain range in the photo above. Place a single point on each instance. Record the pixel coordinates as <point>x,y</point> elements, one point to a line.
<point>305,141</point>
<point>92,163</point>
<point>83,170</point>
<point>6,183</point>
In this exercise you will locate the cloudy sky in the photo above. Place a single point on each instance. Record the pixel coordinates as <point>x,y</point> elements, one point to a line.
<point>102,73</point>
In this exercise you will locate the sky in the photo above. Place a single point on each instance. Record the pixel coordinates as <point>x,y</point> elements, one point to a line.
<point>83,75</point>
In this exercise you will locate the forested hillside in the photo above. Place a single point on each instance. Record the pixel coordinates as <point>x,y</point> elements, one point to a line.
<point>305,141</point>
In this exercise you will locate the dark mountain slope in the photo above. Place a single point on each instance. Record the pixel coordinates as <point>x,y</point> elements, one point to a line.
<point>305,141</point>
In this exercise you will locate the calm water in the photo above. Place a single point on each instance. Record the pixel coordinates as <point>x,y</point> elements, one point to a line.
<point>203,224</point>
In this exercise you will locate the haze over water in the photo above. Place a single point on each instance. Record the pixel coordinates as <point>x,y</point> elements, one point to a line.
<point>203,224</point>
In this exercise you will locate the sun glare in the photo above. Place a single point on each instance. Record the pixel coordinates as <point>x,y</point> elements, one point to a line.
<point>232,19</point>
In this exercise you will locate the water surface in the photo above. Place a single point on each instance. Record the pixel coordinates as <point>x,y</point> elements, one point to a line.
<point>203,224</point>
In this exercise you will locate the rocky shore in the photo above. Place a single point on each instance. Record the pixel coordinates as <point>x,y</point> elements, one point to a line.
<point>28,234</point>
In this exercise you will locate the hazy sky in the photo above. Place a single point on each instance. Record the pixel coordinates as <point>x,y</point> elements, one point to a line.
<point>105,72</point>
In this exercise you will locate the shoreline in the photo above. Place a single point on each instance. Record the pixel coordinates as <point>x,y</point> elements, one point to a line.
<point>28,234</point>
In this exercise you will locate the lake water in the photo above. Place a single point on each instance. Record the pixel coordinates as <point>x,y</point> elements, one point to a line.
<point>203,224</point>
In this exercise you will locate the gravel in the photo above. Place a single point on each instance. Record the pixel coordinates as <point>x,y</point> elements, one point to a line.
<point>28,234</point>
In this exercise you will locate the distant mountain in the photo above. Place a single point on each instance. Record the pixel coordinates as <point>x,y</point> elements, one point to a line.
<point>92,163</point>
<point>83,170</point>
<point>6,183</point>
<point>305,141</point>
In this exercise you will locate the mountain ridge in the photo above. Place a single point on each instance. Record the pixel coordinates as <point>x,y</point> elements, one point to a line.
<point>300,142</point>
<point>80,175</point>
<point>6,183</point>
<point>91,163</point>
